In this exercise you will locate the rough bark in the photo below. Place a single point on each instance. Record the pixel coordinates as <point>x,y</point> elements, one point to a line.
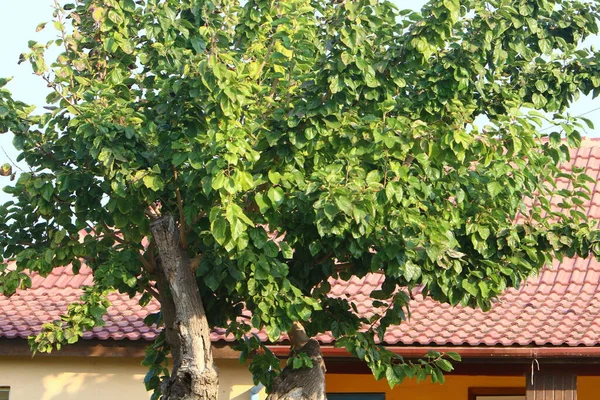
<point>303,383</point>
<point>194,375</point>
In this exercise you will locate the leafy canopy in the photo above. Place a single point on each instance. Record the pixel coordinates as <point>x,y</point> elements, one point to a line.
<point>297,141</point>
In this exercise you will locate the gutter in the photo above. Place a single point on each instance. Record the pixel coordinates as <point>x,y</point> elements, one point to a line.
<point>465,351</point>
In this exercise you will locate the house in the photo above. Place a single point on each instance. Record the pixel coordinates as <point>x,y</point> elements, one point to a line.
<point>539,342</point>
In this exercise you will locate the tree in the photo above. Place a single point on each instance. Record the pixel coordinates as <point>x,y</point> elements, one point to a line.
<point>230,157</point>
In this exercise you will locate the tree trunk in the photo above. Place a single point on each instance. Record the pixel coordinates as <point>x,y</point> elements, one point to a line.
<point>303,383</point>
<point>194,374</point>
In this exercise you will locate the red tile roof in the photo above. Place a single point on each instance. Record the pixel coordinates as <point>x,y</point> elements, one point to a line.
<point>23,314</point>
<point>560,307</point>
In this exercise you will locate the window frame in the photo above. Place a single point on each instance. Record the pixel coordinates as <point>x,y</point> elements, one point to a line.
<point>496,391</point>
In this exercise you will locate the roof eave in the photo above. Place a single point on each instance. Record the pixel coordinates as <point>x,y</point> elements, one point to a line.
<point>531,352</point>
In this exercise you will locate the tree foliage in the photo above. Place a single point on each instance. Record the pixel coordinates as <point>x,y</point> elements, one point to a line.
<point>300,140</point>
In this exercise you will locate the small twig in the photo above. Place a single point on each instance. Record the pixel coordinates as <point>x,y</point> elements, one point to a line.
<point>153,292</point>
<point>147,266</point>
<point>147,258</point>
<point>182,230</point>
<point>262,65</point>
<point>150,214</point>
<point>150,290</point>
<point>195,262</point>
<point>324,258</point>
<point>92,228</point>
<point>59,15</point>
<point>409,159</point>
<point>381,315</point>
<point>63,34</point>
<point>341,266</point>
<point>113,234</point>
<point>9,159</point>
<point>53,86</point>
<point>155,210</point>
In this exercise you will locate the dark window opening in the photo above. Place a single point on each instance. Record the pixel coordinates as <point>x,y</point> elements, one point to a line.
<point>355,396</point>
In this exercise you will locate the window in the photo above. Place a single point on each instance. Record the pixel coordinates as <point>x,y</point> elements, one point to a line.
<point>355,396</point>
<point>499,393</point>
<point>4,392</point>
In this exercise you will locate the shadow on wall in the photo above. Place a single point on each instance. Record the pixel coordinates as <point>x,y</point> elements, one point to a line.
<point>92,386</point>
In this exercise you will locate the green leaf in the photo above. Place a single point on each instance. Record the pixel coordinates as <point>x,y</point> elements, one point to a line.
<point>98,14</point>
<point>286,250</point>
<point>261,202</point>
<point>128,5</point>
<point>453,6</point>
<point>542,86</point>
<point>198,44</point>
<point>276,196</point>
<point>153,182</point>
<point>345,205</point>
<point>373,177</point>
<point>219,230</point>
<point>494,188</point>
<point>411,271</point>
<point>444,365</point>
<point>60,235</point>
<point>391,377</point>
<point>483,287</point>
<point>539,101</point>
<point>47,191</point>
<point>115,17</point>
<point>469,287</point>
<point>218,181</point>
<point>274,177</point>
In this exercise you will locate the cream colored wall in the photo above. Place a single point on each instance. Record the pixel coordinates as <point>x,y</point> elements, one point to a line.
<point>94,378</point>
<point>235,381</point>
<point>58,378</point>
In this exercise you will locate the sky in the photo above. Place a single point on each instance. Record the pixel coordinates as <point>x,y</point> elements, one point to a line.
<point>18,22</point>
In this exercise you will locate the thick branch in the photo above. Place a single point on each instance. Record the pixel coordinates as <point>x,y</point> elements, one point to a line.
<point>196,375</point>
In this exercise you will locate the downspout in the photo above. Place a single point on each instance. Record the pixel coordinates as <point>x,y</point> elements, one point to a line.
<point>255,390</point>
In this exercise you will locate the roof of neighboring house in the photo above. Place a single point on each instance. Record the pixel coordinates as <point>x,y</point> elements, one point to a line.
<point>23,314</point>
<point>559,307</point>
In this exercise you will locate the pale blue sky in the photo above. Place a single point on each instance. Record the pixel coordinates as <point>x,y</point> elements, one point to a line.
<point>18,21</point>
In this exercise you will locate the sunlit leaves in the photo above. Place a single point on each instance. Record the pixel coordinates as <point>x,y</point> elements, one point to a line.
<point>300,142</point>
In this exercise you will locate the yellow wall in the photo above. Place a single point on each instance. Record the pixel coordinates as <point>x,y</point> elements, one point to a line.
<point>587,387</point>
<point>94,378</point>
<point>455,387</point>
